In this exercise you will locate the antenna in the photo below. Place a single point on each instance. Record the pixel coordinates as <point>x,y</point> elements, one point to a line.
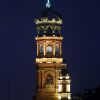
<point>48,4</point>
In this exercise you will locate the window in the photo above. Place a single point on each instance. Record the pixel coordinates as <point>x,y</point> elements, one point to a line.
<point>49,51</point>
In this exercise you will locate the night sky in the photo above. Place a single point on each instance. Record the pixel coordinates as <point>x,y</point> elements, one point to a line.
<point>81,44</point>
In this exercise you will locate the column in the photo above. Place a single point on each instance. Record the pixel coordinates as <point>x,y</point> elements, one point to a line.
<point>44,48</point>
<point>60,49</point>
<point>39,80</point>
<point>53,48</point>
<point>37,49</point>
<point>43,80</point>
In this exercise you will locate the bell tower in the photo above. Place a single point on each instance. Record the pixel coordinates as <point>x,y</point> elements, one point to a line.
<point>49,60</point>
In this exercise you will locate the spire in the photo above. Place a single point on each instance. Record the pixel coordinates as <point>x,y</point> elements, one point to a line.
<point>48,4</point>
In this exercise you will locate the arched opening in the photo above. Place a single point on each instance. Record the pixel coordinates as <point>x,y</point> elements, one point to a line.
<point>49,82</point>
<point>41,51</point>
<point>49,51</point>
<point>57,50</point>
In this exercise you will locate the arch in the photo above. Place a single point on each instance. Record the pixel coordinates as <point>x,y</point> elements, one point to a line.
<point>49,72</point>
<point>49,51</point>
<point>49,79</point>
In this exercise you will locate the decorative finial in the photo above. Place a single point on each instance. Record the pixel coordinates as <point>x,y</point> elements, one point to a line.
<point>48,4</point>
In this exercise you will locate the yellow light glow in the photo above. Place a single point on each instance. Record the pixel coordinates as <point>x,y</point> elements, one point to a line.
<point>46,20</point>
<point>61,77</point>
<point>69,96</point>
<point>59,97</point>
<point>49,60</point>
<point>49,38</point>
<point>68,87</point>
<point>59,87</point>
<point>67,77</point>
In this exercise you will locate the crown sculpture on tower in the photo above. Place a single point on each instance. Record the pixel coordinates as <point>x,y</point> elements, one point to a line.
<point>52,78</point>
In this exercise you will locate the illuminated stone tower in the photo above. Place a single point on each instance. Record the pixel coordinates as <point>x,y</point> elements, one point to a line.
<point>51,83</point>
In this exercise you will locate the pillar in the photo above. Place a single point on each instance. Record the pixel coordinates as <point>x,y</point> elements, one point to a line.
<point>60,48</point>
<point>54,48</point>
<point>44,45</point>
<point>37,49</point>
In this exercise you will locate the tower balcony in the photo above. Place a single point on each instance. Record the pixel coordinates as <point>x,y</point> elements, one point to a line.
<point>49,60</point>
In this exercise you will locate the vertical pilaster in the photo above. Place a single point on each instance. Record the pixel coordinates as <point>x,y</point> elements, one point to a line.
<point>44,45</point>
<point>37,49</point>
<point>60,48</point>
<point>43,80</point>
<point>54,48</point>
<point>39,80</point>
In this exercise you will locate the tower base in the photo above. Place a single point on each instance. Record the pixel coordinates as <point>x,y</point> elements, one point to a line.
<point>47,96</point>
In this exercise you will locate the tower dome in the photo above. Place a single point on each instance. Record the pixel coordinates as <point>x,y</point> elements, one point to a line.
<point>49,23</point>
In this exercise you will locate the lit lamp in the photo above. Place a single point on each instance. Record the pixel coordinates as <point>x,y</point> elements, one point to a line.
<point>59,87</point>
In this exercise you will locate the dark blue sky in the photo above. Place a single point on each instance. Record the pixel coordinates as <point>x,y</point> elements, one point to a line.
<point>81,44</point>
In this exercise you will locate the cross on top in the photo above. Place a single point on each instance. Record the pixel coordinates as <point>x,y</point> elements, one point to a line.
<point>48,4</point>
